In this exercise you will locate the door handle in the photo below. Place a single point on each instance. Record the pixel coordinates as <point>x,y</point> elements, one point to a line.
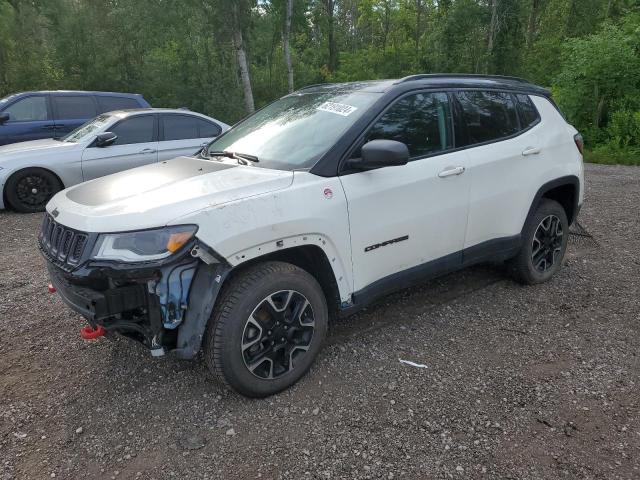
<point>48,127</point>
<point>530,151</point>
<point>147,150</point>
<point>451,171</point>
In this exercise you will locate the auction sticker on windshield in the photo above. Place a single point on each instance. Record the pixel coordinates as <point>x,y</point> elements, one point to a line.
<point>339,108</point>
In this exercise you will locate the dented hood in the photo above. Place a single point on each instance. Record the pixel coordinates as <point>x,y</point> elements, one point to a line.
<point>154,195</point>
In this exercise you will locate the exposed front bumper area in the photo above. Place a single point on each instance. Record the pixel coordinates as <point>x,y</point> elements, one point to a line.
<point>97,305</point>
<point>163,305</point>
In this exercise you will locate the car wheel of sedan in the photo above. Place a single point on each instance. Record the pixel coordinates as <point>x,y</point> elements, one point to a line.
<point>30,190</point>
<point>544,238</point>
<point>266,329</point>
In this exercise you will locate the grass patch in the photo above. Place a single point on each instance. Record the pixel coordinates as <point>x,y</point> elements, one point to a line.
<point>606,155</point>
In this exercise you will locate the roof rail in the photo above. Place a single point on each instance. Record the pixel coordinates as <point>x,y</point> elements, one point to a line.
<point>426,76</point>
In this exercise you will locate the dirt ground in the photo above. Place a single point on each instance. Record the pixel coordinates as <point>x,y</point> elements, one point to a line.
<point>520,382</point>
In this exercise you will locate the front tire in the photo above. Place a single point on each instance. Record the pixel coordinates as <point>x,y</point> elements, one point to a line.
<point>29,190</point>
<point>544,243</point>
<point>267,329</point>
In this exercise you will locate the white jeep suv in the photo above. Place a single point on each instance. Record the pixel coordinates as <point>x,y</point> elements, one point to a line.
<point>315,206</point>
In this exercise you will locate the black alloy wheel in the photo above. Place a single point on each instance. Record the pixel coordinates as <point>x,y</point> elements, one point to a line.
<point>30,190</point>
<point>277,334</point>
<point>547,244</point>
<point>267,328</point>
<point>544,243</point>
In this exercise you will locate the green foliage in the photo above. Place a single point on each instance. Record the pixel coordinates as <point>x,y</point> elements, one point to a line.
<point>180,52</point>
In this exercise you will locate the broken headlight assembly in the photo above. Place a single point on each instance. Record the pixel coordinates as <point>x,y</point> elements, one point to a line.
<point>143,245</point>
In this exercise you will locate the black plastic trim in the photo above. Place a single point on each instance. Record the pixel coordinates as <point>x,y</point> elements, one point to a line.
<point>205,287</point>
<point>499,249</point>
<point>558,182</point>
<point>95,305</point>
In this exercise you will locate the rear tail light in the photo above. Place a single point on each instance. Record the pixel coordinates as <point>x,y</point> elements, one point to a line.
<point>579,142</point>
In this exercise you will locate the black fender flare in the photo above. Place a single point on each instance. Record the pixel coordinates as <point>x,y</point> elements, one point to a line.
<point>572,180</point>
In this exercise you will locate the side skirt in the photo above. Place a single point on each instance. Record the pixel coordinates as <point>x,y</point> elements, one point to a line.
<point>496,250</point>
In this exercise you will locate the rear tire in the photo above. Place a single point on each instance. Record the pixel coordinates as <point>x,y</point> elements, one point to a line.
<point>266,329</point>
<point>29,190</point>
<point>544,243</point>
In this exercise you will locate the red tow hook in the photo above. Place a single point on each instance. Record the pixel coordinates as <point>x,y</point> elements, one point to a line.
<point>88,333</point>
<point>51,288</point>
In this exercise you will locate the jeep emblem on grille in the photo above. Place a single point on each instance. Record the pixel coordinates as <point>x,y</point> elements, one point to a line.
<point>55,212</point>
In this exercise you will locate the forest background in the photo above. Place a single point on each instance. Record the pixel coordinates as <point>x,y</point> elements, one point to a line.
<point>227,57</point>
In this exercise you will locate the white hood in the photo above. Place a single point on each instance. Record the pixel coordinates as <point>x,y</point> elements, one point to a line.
<point>154,195</point>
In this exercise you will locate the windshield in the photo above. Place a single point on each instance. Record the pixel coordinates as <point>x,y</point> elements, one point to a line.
<point>6,99</point>
<point>84,131</point>
<point>295,131</point>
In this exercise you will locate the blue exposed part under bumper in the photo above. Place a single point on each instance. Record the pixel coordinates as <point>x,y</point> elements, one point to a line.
<point>173,292</point>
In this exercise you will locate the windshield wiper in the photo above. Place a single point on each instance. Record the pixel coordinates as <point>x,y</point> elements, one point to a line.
<point>241,157</point>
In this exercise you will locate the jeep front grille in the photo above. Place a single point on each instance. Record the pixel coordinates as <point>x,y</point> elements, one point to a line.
<point>61,245</point>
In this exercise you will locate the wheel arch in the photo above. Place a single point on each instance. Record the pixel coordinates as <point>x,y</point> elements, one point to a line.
<point>211,279</point>
<point>15,172</point>
<point>310,258</point>
<point>565,191</point>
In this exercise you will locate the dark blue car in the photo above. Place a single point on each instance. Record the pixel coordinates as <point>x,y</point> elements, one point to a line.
<point>34,115</point>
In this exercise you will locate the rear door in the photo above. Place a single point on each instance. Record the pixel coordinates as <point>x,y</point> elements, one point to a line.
<point>136,145</point>
<point>71,110</point>
<point>29,119</point>
<point>503,154</point>
<point>182,134</point>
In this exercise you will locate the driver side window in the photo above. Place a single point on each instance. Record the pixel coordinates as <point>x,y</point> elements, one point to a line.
<point>422,121</point>
<point>139,129</point>
<point>30,109</point>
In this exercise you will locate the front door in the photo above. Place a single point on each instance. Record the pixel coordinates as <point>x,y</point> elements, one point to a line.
<point>29,119</point>
<point>135,146</point>
<point>409,220</point>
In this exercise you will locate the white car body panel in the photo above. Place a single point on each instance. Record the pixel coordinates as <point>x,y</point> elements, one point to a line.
<point>74,163</point>
<point>304,213</point>
<point>411,201</point>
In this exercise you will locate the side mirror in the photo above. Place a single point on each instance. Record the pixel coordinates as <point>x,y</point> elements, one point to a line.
<point>4,117</point>
<point>381,153</point>
<point>105,139</point>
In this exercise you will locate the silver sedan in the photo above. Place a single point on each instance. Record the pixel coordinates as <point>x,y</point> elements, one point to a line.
<point>32,172</point>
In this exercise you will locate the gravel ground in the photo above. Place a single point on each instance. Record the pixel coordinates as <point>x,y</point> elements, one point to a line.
<point>520,382</point>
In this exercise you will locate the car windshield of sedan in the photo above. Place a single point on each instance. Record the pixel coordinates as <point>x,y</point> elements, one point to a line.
<point>295,131</point>
<point>84,131</point>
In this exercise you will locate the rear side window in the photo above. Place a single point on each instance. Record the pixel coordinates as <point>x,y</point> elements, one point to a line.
<point>30,109</point>
<point>487,116</point>
<point>182,127</point>
<point>134,130</point>
<point>208,129</point>
<point>73,107</point>
<point>109,104</point>
<point>529,116</point>
<point>421,121</point>
<point>179,127</point>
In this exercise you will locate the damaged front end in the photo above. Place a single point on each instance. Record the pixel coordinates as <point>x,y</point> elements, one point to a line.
<point>155,286</point>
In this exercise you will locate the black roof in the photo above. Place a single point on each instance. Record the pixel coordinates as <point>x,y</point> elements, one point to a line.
<point>434,80</point>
